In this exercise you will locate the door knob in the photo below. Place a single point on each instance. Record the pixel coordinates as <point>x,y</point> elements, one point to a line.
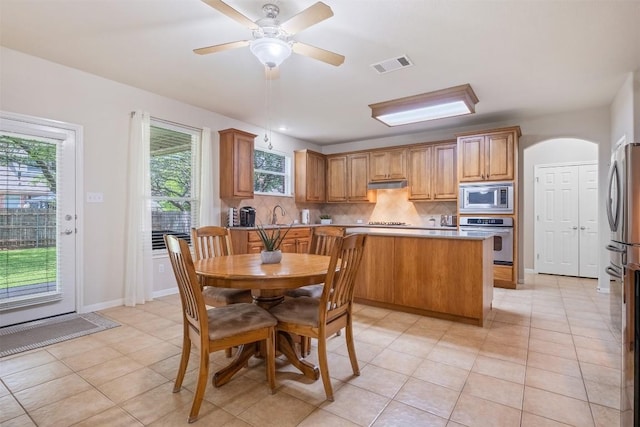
<point>67,231</point>
<point>575,227</point>
<point>583,228</point>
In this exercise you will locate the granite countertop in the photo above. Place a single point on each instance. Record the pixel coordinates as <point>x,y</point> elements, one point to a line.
<point>395,230</point>
<point>351,225</point>
<point>421,232</point>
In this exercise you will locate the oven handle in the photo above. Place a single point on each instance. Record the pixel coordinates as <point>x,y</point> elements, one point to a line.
<point>496,230</point>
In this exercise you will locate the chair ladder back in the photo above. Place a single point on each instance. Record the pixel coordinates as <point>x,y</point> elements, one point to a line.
<point>211,241</point>
<point>324,239</point>
<point>193,306</point>
<point>339,286</point>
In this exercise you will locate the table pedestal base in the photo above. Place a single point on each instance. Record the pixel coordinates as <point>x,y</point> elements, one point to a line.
<point>287,347</point>
<point>284,345</point>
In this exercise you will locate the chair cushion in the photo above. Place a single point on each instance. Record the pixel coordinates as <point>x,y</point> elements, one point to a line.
<point>224,296</point>
<point>313,291</point>
<point>237,318</point>
<point>302,311</point>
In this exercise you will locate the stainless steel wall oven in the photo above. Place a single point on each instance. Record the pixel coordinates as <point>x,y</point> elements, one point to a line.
<point>501,227</point>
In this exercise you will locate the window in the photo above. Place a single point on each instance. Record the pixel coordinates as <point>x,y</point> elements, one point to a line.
<point>271,173</point>
<point>174,155</point>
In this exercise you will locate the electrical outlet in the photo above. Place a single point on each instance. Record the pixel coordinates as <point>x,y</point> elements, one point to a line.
<point>160,268</point>
<point>358,221</point>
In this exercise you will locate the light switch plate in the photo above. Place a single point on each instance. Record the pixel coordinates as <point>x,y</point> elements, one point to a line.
<point>95,198</point>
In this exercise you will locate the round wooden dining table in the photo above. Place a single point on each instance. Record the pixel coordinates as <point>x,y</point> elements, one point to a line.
<point>267,283</point>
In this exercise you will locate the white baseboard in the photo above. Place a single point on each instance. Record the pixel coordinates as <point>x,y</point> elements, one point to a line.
<point>102,306</point>
<point>120,302</point>
<point>529,271</point>
<point>165,292</point>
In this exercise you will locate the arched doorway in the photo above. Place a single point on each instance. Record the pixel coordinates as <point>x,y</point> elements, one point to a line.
<point>563,156</point>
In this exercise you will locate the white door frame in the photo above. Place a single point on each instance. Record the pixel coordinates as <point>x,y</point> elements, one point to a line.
<point>536,243</point>
<point>77,130</point>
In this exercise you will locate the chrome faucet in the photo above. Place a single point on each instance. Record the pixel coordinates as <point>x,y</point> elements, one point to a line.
<point>274,217</point>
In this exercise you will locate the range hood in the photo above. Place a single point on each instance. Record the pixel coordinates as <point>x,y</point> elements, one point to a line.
<point>387,185</point>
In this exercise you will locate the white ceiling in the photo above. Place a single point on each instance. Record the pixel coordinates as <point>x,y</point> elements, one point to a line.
<point>522,58</point>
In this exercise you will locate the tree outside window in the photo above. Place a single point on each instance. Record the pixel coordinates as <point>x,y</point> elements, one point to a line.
<point>271,173</point>
<point>173,202</point>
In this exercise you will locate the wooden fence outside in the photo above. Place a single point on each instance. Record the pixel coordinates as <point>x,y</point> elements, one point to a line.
<point>27,228</point>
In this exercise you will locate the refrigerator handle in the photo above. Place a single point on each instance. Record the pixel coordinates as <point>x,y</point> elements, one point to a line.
<point>612,272</point>
<point>613,248</point>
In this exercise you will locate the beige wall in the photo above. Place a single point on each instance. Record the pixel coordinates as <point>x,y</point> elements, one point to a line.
<point>35,87</point>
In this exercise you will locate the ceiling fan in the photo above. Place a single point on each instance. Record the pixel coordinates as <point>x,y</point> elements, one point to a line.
<point>272,40</point>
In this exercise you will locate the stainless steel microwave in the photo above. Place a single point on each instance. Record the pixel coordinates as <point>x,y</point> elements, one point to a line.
<point>494,197</point>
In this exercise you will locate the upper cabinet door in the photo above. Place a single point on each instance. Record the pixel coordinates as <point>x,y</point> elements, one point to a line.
<point>358,177</point>
<point>236,164</point>
<point>499,156</point>
<point>337,178</point>
<point>491,156</point>
<point>388,165</point>
<point>420,173</point>
<point>310,169</point>
<point>471,154</point>
<point>445,178</point>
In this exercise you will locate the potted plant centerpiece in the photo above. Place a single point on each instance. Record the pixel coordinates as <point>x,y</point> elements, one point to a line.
<point>272,238</point>
<point>325,219</point>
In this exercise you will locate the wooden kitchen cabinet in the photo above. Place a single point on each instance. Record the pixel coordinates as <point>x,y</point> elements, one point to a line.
<point>419,181</point>
<point>490,156</point>
<point>236,164</point>
<point>358,177</point>
<point>347,178</point>
<point>433,172</point>
<point>445,171</point>
<point>388,165</point>
<point>246,241</point>
<point>426,276</point>
<point>337,178</point>
<point>310,168</point>
<point>374,281</point>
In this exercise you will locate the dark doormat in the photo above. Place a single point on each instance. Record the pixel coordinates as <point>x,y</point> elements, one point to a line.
<point>40,333</point>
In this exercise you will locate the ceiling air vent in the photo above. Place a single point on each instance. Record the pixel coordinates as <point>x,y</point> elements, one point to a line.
<point>392,64</point>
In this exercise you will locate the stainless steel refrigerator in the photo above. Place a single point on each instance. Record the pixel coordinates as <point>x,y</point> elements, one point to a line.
<point>623,212</point>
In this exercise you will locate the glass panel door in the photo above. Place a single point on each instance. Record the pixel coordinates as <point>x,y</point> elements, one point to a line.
<point>37,219</point>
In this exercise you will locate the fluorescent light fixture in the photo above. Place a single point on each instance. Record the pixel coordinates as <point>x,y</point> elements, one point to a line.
<point>270,50</point>
<point>454,101</point>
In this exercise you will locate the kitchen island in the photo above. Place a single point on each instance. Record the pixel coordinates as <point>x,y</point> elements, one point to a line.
<point>441,273</point>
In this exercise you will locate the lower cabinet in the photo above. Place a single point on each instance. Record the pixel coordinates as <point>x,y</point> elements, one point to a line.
<point>248,241</point>
<point>428,276</point>
<point>374,281</point>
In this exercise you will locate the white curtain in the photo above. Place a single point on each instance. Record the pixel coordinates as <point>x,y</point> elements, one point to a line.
<point>138,272</point>
<point>207,213</point>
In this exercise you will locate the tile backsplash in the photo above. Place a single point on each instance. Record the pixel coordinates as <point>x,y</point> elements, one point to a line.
<point>391,205</point>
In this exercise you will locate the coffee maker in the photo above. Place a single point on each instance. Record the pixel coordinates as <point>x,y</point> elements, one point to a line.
<point>247,216</point>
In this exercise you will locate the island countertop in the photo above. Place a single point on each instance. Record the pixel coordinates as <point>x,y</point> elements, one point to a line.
<point>420,232</point>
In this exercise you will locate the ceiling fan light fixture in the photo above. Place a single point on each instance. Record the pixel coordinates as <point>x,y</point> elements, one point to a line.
<point>450,102</point>
<point>270,51</point>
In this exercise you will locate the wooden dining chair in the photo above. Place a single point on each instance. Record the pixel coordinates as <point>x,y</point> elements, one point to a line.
<point>321,317</point>
<point>213,241</point>
<point>214,329</point>
<point>322,241</point>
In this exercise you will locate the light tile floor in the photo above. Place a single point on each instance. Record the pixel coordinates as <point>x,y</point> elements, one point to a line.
<point>546,358</point>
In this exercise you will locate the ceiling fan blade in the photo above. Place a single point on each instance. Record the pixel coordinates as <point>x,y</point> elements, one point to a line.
<point>271,73</point>
<point>225,9</point>
<point>220,47</point>
<point>315,13</point>
<point>317,53</point>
